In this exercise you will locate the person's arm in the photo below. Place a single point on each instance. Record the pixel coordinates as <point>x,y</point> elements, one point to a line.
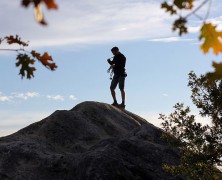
<point>122,62</point>
<point>111,62</point>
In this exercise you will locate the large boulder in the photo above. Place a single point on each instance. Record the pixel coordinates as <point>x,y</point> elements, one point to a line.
<point>92,141</point>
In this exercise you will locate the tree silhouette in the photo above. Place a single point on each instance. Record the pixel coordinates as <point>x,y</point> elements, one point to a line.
<point>201,145</point>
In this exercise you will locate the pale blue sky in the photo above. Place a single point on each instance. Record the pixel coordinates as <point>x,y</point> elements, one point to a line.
<point>79,37</point>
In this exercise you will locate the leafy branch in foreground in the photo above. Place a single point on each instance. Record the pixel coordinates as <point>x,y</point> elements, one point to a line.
<point>209,34</point>
<point>26,59</point>
<point>201,145</point>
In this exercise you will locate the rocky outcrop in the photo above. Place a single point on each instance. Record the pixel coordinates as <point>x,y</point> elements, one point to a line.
<point>92,141</point>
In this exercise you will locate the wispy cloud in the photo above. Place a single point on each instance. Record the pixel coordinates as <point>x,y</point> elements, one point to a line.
<point>72,97</point>
<point>29,95</point>
<point>90,22</point>
<point>5,98</point>
<point>56,97</point>
<point>217,21</point>
<point>165,95</point>
<point>87,22</point>
<point>194,29</point>
<point>25,96</point>
<point>170,39</point>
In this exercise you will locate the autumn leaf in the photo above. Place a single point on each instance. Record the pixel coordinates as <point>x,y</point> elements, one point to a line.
<point>217,74</point>
<point>45,59</point>
<point>212,38</point>
<point>51,4</point>
<point>25,61</point>
<point>26,58</point>
<point>184,4</point>
<point>180,24</point>
<point>15,40</point>
<point>36,55</point>
<point>168,8</point>
<point>26,3</point>
<point>39,15</point>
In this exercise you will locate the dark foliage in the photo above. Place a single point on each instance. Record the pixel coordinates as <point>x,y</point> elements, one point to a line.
<point>200,144</point>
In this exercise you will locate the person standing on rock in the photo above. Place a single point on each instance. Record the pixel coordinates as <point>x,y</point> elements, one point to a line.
<point>118,64</point>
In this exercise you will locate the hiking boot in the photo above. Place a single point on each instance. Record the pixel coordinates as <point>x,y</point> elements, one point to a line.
<point>122,105</point>
<point>115,103</point>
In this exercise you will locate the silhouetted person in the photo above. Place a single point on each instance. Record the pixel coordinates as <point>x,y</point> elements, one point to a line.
<point>118,63</point>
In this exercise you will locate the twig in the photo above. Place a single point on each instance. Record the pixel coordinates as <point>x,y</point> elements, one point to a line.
<point>208,11</point>
<point>199,17</point>
<point>13,50</point>
<point>195,10</point>
<point>9,49</point>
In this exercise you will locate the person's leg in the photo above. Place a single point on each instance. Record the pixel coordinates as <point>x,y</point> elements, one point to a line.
<point>112,89</point>
<point>113,93</point>
<point>121,87</point>
<point>123,95</point>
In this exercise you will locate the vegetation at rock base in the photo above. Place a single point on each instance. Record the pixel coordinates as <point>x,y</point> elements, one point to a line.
<point>201,145</point>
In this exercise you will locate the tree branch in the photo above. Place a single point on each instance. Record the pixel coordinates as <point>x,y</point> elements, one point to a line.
<point>195,10</point>
<point>12,50</point>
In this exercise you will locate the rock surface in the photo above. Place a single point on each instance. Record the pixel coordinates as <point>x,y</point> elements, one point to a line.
<point>92,141</point>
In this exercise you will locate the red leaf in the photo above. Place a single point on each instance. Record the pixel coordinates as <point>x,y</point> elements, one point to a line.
<point>15,40</point>
<point>51,4</point>
<point>45,60</point>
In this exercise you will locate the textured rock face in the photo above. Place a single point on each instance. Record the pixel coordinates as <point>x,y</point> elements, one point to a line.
<point>92,141</point>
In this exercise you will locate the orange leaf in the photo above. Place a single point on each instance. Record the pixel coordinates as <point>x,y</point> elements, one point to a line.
<point>36,55</point>
<point>15,40</point>
<point>212,38</point>
<point>51,4</point>
<point>45,60</point>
